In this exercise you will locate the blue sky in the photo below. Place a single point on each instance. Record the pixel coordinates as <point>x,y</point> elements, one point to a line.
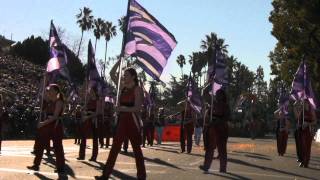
<point>243,24</point>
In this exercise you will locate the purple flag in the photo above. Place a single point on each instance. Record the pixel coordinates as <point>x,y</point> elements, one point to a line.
<point>217,73</point>
<point>301,85</point>
<point>56,65</point>
<point>193,95</point>
<point>283,102</point>
<point>148,40</point>
<point>93,76</point>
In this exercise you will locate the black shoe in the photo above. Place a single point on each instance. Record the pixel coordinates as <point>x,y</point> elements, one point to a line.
<point>101,178</point>
<point>93,159</point>
<point>182,151</point>
<point>299,161</point>
<point>79,158</point>
<point>203,168</point>
<point>34,167</point>
<point>32,152</point>
<point>60,171</point>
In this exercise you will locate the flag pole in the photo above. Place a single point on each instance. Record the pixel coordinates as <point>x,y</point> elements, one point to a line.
<point>42,96</point>
<point>122,55</point>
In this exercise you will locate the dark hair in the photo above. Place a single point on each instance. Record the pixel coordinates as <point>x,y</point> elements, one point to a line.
<point>133,72</point>
<point>221,96</point>
<point>56,88</point>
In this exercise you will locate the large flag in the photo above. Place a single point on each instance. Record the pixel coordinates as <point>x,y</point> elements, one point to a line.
<point>93,76</point>
<point>301,85</point>
<point>217,72</point>
<point>56,66</point>
<point>194,96</point>
<point>148,40</point>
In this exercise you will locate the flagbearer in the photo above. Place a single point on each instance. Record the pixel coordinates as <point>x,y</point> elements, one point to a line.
<point>308,118</point>
<point>187,127</point>
<point>77,118</point>
<point>89,126</point>
<point>148,133</point>
<point>129,126</point>
<point>51,129</point>
<point>282,131</point>
<point>218,132</point>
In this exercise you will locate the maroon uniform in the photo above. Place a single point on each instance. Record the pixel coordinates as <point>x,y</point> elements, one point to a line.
<point>52,131</point>
<point>186,129</point>
<point>306,138</point>
<point>282,136</point>
<point>217,135</point>
<point>148,127</point>
<point>105,130</point>
<point>89,127</point>
<point>128,128</point>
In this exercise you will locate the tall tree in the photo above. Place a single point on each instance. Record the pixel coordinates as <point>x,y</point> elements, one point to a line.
<point>98,30</point>
<point>211,44</point>
<point>85,22</point>
<point>181,60</point>
<point>122,24</point>
<point>110,31</point>
<point>296,26</point>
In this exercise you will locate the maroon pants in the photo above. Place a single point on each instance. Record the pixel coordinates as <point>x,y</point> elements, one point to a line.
<point>282,142</point>
<point>104,132</point>
<point>47,133</point>
<point>37,142</point>
<point>217,137</point>
<point>88,128</point>
<point>306,142</point>
<point>126,129</point>
<point>148,134</point>
<point>186,132</point>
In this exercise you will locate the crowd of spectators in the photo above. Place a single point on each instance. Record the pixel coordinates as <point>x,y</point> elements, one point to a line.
<point>19,85</point>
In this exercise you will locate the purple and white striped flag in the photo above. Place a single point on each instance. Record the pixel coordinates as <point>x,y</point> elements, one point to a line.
<point>194,96</point>
<point>56,65</point>
<point>148,40</point>
<point>301,85</point>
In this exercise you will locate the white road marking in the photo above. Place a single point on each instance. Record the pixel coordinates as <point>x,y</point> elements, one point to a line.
<point>30,172</point>
<point>195,163</point>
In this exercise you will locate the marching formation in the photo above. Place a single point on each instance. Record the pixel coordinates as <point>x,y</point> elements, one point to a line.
<point>132,115</point>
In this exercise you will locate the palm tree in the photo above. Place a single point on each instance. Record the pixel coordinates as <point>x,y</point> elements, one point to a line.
<point>98,30</point>
<point>122,24</point>
<point>110,31</point>
<point>211,44</point>
<point>85,21</point>
<point>181,60</point>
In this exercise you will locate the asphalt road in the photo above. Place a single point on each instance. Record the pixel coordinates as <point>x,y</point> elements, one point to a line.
<point>247,159</point>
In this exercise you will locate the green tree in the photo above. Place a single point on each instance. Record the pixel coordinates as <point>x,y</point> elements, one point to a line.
<point>85,22</point>
<point>296,26</point>
<point>110,31</point>
<point>181,61</point>
<point>98,30</point>
<point>211,44</point>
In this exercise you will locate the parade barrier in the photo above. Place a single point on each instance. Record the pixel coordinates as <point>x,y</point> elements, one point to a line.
<point>170,133</point>
<point>317,136</point>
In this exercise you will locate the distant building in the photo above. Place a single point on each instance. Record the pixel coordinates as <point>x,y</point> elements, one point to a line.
<point>5,45</point>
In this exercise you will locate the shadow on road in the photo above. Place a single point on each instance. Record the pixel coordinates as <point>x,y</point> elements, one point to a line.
<point>155,160</point>
<point>237,161</point>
